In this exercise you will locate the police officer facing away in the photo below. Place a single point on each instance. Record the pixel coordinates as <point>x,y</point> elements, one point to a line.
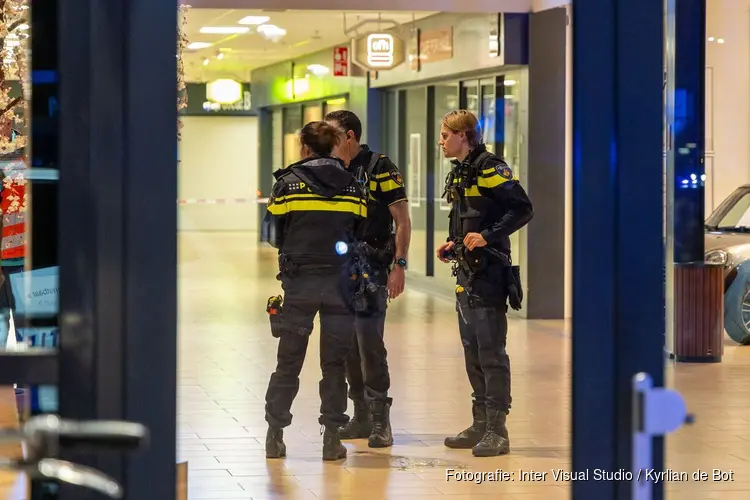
<point>367,365</point>
<point>488,205</point>
<point>312,217</point>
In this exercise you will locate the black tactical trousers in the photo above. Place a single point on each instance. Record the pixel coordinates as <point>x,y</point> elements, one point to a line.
<point>484,330</point>
<point>305,294</point>
<point>367,363</point>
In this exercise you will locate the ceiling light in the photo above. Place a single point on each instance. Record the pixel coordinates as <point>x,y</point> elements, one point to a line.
<point>711,39</point>
<point>224,30</point>
<point>720,40</point>
<point>270,31</point>
<point>254,20</point>
<point>317,69</point>
<point>205,62</point>
<point>220,55</point>
<point>198,45</point>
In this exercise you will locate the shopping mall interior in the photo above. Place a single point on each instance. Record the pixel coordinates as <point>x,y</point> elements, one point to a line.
<point>119,305</point>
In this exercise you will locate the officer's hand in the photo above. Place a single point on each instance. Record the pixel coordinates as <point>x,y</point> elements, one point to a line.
<point>396,282</point>
<point>443,249</point>
<point>474,240</point>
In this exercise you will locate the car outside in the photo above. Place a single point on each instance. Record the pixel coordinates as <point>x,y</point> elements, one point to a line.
<point>727,243</point>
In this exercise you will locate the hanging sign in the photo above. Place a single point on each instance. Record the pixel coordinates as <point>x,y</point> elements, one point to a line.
<point>341,61</point>
<point>378,51</point>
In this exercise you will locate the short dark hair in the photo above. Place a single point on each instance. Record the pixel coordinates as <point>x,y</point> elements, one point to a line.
<point>347,121</point>
<point>320,137</point>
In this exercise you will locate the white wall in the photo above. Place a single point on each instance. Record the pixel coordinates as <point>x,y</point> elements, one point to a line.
<point>728,99</point>
<point>218,160</point>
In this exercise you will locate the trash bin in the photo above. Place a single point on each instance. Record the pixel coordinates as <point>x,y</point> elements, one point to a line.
<point>698,312</point>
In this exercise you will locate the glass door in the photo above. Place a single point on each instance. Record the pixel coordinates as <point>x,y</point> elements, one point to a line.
<point>88,251</point>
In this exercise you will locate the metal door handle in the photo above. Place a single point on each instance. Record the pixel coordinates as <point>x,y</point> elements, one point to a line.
<point>77,475</point>
<point>657,411</point>
<point>51,430</point>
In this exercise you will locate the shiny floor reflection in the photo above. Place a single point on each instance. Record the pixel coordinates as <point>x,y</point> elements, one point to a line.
<point>227,354</point>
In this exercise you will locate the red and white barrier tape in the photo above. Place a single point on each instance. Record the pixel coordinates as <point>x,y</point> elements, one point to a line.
<point>218,201</point>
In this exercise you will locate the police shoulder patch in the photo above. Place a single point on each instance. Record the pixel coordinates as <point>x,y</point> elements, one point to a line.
<point>396,176</point>
<point>504,171</point>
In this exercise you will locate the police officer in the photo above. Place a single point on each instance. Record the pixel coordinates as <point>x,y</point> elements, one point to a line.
<point>367,365</point>
<point>312,219</point>
<point>488,205</point>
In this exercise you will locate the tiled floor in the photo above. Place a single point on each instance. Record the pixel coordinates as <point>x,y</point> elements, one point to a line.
<point>227,355</point>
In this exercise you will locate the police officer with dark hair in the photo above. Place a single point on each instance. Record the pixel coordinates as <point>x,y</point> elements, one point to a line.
<point>312,218</point>
<point>385,253</point>
<point>488,205</point>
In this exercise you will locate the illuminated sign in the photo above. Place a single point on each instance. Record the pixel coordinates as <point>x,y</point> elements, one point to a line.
<point>224,91</point>
<point>380,50</point>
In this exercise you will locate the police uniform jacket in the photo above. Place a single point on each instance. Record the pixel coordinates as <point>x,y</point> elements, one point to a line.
<point>384,187</point>
<point>491,200</point>
<point>315,205</point>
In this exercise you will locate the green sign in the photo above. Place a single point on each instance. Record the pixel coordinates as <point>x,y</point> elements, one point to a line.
<point>199,105</point>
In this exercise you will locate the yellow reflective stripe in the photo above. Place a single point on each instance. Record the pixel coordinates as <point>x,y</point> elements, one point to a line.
<point>491,181</point>
<point>314,203</point>
<point>382,176</point>
<point>388,186</point>
<point>373,185</point>
<point>311,196</point>
<point>488,171</point>
<point>472,191</point>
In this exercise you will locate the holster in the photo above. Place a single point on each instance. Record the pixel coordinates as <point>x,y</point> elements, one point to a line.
<point>277,325</point>
<point>464,302</point>
<point>274,308</point>
<point>366,287</point>
<point>515,288</point>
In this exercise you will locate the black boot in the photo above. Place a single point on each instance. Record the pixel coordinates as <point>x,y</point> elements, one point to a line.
<point>382,435</point>
<point>332,447</point>
<point>360,426</point>
<point>469,437</point>
<point>495,441</point>
<point>275,447</point>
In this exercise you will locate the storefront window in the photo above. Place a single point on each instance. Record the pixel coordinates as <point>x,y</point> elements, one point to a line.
<point>414,136</point>
<point>336,104</point>
<point>488,113</point>
<point>446,100</point>
<point>515,113</point>
<point>292,126</point>
<point>312,113</point>
<point>470,97</point>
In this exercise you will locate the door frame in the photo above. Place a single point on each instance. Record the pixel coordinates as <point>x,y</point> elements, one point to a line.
<point>116,226</point>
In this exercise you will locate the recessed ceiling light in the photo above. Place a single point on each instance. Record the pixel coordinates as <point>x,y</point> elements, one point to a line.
<point>254,20</point>
<point>198,45</point>
<point>271,31</point>
<point>318,69</point>
<point>224,30</point>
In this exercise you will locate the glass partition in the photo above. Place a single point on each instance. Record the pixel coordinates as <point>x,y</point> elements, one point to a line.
<point>446,100</point>
<point>415,135</point>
